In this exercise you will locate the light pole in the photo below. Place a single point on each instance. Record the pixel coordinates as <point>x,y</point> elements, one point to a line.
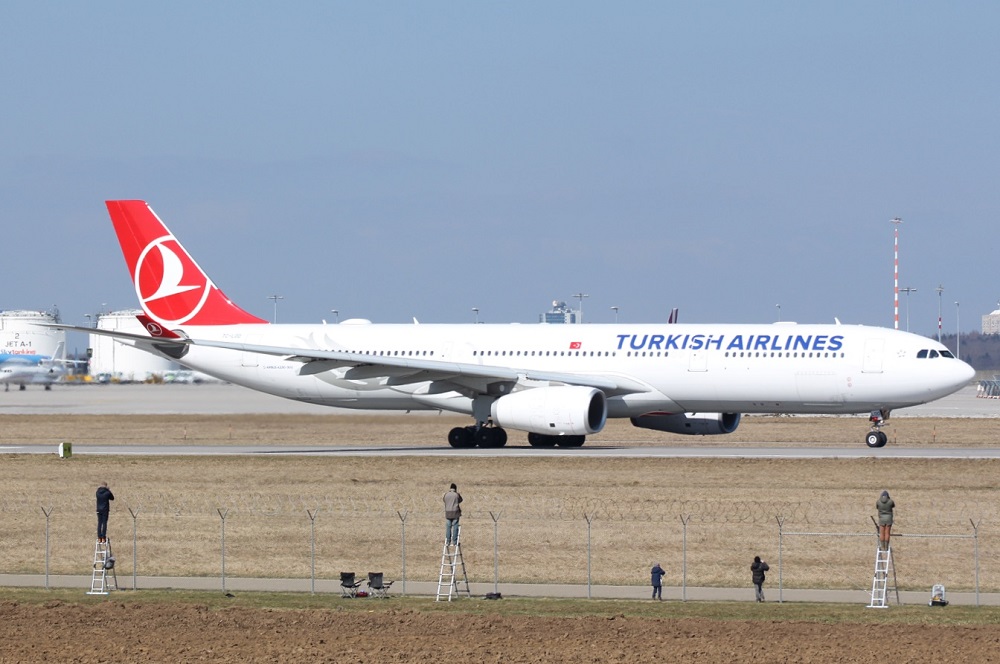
<point>958,332</point>
<point>580,297</point>
<point>779,312</point>
<point>907,291</point>
<point>939,289</point>
<point>336,315</point>
<point>615,309</point>
<point>896,221</point>
<point>475,310</point>
<point>275,298</point>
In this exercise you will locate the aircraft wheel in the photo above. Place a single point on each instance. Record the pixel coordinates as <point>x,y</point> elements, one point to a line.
<point>541,440</point>
<point>491,437</point>
<point>571,441</point>
<point>883,438</point>
<point>874,439</point>
<point>460,437</point>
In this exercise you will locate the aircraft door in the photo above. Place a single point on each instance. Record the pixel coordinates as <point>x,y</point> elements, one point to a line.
<point>250,359</point>
<point>698,361</point>
<point>872,362</point>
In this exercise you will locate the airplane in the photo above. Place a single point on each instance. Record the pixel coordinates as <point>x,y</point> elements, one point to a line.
<point>23,370</point>
<point>557,383</point>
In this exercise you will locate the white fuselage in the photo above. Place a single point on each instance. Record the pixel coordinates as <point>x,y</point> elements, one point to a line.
<point>777,368</point>
<point>20,372</point>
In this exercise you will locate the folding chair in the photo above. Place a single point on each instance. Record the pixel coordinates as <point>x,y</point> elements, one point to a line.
<point>377,586</point>
<point>348,586</point>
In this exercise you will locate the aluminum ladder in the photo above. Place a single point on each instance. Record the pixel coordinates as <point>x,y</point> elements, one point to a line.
<point>104,578</point>
<point>880,581</point>
<point>451,562</point>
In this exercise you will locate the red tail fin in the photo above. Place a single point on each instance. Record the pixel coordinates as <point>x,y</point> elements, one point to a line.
<point>171,287</point>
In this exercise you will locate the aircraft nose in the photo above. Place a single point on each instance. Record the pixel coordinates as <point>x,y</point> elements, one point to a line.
<point>965,373</point>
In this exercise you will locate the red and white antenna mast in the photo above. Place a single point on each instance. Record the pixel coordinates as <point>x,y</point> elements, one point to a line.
<point>896,221</point>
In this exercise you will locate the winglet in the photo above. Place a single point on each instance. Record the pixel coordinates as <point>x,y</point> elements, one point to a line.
<point>155,329</point>
<point>171,287</point>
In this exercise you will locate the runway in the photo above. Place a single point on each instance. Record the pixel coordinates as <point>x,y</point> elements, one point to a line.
<point>749,452</point>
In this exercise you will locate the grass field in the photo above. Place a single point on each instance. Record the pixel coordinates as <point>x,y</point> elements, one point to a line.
<point>636,505</point>
<point>743,611</point>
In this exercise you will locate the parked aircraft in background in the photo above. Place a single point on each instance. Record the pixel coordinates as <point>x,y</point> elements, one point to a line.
<point>24,370</point>
<point>558,383</point>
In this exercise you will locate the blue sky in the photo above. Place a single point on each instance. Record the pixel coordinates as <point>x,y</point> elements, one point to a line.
<point>392,160</point>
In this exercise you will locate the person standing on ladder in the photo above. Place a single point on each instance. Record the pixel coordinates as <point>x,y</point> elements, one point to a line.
<point>884,505</point>
<point>104,498</point>
<point>452,513</point>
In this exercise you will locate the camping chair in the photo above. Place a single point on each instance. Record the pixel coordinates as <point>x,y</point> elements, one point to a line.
<point>377,586</point>
<point>348,586</point>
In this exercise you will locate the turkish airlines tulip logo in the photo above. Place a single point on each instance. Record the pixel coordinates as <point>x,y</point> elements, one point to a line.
<point>154,329</point>
<point>170,285</point>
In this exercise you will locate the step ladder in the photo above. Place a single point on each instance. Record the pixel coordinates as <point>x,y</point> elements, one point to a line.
<point>104,579</point>
<point>880,582</point>
<point>451,562</point>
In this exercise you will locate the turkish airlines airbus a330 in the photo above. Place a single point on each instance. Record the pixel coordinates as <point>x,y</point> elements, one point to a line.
<point>558,383</point>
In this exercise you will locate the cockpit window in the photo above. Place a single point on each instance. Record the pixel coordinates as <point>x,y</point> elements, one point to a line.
<point>931,353</point>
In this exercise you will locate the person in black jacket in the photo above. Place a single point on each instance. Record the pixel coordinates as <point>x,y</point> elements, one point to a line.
<point>757,569</point>
<point>104,498</point>
<point>656,578</point>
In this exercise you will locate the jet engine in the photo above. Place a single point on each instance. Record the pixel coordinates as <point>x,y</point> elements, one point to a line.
<point>691,424</point>
<point>553,411</point>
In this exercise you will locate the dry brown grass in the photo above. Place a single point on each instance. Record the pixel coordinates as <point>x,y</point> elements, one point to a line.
<point>637,504</point>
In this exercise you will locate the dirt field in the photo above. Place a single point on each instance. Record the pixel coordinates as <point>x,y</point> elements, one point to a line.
<point>106,631</point>
<point>630,495</point>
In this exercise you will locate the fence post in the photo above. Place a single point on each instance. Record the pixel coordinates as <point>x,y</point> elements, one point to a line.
<point>312,549</point>
<point>222,515</point>
<point>590,521</point>
<point>47,512</point>
<point>135,563</point>
<point>684,556</point>
<point>781,522</point>
<point>496,550</point>
<point>402,520</point>
<point>975,535</point>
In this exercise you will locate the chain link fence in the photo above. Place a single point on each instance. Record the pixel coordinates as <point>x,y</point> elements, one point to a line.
<point>506,539</point>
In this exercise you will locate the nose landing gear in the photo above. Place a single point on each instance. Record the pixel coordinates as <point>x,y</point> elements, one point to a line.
<point>876,437</point>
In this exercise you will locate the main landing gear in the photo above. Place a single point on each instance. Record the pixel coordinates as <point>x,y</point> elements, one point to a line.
<point>472,436</point>
<point>494,436</point>
<point>876,437</point>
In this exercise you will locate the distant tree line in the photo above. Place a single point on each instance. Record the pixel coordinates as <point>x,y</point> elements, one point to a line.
<point>982,351</point>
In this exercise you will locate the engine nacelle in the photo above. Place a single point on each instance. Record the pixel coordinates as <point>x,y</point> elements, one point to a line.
<point>553,411</point>
<point>691,424</point>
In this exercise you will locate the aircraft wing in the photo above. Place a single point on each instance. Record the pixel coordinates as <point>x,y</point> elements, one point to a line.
<point>369,366</point>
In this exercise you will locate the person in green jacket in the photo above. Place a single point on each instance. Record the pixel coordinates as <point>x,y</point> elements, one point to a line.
<point>884,505</point>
